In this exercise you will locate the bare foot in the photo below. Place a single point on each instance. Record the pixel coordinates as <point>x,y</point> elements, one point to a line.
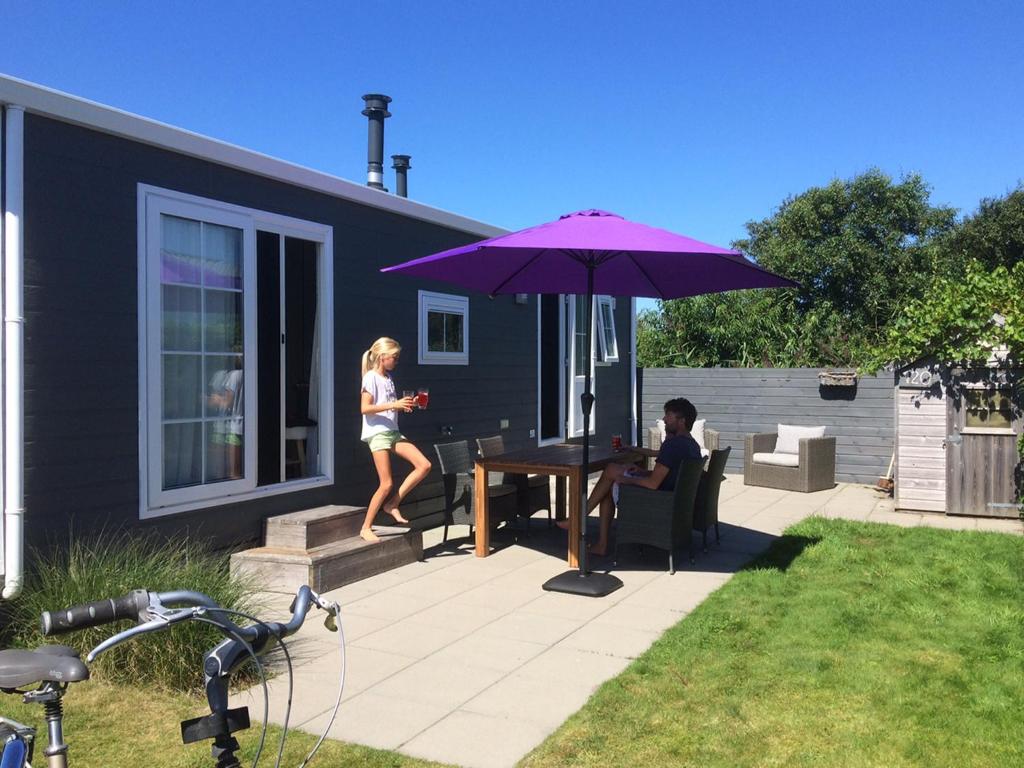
<point>367,534</point>
<point>393,510</point>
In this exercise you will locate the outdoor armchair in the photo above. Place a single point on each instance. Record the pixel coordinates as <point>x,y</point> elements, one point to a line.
<point>811,468</point>
<point>662,519</point>
<point>533,492</point>
<point>457,475</point>
<point>705,510</point>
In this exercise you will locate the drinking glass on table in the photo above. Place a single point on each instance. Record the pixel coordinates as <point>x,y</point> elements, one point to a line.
<point>616,442</point>
<point>423,398</point>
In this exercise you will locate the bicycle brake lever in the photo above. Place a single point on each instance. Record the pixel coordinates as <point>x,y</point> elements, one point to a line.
<point>162,621</point>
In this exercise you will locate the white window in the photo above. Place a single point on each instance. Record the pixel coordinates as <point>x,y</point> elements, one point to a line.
<point>606,329</point>
<point>443,329</point>
<point>203,351</point>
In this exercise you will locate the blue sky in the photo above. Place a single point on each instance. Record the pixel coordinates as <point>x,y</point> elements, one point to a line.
<point>696,117</point>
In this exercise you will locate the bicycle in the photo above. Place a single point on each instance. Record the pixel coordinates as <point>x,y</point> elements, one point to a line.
<point>56,667</point>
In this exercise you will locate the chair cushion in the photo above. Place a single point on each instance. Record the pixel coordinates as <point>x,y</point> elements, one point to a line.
<point>777,458</point>
<point>789,437</point>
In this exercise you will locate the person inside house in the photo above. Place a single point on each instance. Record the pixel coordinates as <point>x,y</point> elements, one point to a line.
<point>680,414</point>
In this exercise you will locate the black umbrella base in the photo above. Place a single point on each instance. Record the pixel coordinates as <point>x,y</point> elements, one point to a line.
<point>588,585</point>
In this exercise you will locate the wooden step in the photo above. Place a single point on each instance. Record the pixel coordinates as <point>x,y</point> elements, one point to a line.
<point>312,528</point>
<point>284,569</point>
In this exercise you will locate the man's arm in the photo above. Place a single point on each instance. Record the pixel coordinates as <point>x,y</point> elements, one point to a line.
<point>651,480</point>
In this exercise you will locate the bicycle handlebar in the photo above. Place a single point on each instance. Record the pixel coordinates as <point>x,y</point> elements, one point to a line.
<point>130,606</point>
<point>155,615</point>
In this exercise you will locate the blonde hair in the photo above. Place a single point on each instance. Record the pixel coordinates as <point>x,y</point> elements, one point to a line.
<point>382,346</point>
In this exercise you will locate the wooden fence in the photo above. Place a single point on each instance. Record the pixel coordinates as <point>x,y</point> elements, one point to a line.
<point>738,401</point>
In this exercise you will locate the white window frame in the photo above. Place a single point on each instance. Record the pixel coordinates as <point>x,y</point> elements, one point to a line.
<point>607,355</point>
<point>152,203</point>
<point>449,304</point>
<point>575,426</point>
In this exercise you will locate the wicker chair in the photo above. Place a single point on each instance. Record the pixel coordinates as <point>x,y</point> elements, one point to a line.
<point>533,491</point>
<point>457,474</point>
<point>662,519</point>
<point>705,510</point>
<point>815,470</point>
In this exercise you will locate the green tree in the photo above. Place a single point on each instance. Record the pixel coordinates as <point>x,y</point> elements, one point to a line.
<point>859,248</point>
<point>993,235</point>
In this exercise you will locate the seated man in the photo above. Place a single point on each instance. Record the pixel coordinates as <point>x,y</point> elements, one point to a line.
<point>680,414</point>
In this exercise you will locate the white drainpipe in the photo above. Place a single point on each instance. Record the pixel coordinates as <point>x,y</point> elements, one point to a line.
<point>13,372</point>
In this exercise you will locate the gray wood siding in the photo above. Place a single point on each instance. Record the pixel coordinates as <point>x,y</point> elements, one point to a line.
<point>738,401</point>
<point>81,366</point>
<point>920,456</point>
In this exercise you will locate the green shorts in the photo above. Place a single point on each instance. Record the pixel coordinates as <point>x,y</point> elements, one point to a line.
<point>385,441</point>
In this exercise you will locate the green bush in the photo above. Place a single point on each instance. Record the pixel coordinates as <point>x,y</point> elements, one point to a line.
<point>112,565</point>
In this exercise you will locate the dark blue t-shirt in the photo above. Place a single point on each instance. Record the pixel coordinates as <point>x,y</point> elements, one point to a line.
<point>671,455</point>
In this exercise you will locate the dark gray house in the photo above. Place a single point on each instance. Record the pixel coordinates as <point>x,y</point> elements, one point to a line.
<point>147,270</point>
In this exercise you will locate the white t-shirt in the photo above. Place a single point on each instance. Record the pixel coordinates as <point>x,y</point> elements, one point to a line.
<point>382,389</point>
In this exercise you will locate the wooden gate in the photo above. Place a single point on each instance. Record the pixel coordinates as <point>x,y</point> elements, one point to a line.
<point>981,450</point>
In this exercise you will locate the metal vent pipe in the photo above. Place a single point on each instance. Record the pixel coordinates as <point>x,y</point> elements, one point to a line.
<point>401,165</point>
<point>376,110</point>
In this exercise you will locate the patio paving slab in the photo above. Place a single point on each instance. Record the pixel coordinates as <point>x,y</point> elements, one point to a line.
<point>477,740</point>
<point>468,661</point>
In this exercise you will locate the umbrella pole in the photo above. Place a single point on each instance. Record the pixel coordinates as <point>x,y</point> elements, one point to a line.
<point>582,581</point>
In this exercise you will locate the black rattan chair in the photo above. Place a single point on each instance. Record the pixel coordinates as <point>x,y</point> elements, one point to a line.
<point>705,509</point>
<point>662,519</point>
<point>457,474</point>
<point>533,491</point>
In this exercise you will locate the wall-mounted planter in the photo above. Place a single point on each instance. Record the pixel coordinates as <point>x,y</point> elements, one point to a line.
<point>837,378</point>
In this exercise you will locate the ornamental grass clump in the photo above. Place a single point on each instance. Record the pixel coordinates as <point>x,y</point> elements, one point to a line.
<point>110,566</point>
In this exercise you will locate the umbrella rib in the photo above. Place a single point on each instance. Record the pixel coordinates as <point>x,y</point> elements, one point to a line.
<point>509,279</point>
<point>646,276</point>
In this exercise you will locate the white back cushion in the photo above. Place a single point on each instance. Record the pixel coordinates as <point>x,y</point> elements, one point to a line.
<point>698,432</point>
<point>789,437</point>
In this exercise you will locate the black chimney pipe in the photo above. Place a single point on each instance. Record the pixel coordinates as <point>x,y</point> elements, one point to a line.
<point>376,110</point>
<point>401,166</point>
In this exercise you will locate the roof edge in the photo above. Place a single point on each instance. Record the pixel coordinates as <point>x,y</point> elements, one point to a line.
<point>47,102</point>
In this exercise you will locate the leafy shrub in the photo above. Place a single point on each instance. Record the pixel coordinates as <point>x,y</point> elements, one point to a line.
<point>112,565</point>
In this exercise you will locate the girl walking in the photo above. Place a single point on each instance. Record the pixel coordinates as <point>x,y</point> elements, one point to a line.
<point>379,406</point>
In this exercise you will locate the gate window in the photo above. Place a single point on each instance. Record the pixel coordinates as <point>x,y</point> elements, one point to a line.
<point>988,409</point>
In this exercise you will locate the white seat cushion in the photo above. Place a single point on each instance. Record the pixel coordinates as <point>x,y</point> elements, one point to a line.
<point>789,437</point>
<point>778,459</point>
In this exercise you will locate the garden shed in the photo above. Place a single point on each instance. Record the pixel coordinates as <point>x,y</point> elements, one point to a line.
<point>956,439</point>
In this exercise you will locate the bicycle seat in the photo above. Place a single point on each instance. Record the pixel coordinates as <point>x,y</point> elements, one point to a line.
<point>51,663</point>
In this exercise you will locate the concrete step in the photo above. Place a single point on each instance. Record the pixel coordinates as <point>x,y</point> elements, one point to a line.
<point>284,569</point>
<point>311,528</point>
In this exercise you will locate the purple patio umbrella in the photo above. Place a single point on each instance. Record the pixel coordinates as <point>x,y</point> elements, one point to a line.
<point>590,252</point>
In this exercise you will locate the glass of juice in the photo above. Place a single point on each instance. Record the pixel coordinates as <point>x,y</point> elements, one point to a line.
<point>423,397</point>
<point>409,393</point>
<point>616,442</point>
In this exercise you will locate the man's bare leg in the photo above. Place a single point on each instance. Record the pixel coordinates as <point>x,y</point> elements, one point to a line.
<point>602,490</point>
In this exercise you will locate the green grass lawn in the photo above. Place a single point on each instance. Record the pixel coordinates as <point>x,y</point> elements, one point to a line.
<point>108,727</point>
<point>846,645</point>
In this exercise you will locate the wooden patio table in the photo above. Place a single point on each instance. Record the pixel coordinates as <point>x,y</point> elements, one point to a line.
<point>564,462</point>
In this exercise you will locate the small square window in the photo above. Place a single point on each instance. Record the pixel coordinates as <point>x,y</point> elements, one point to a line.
<point>606,329</point>
<point>988,409</point>
<point>443,329</point>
